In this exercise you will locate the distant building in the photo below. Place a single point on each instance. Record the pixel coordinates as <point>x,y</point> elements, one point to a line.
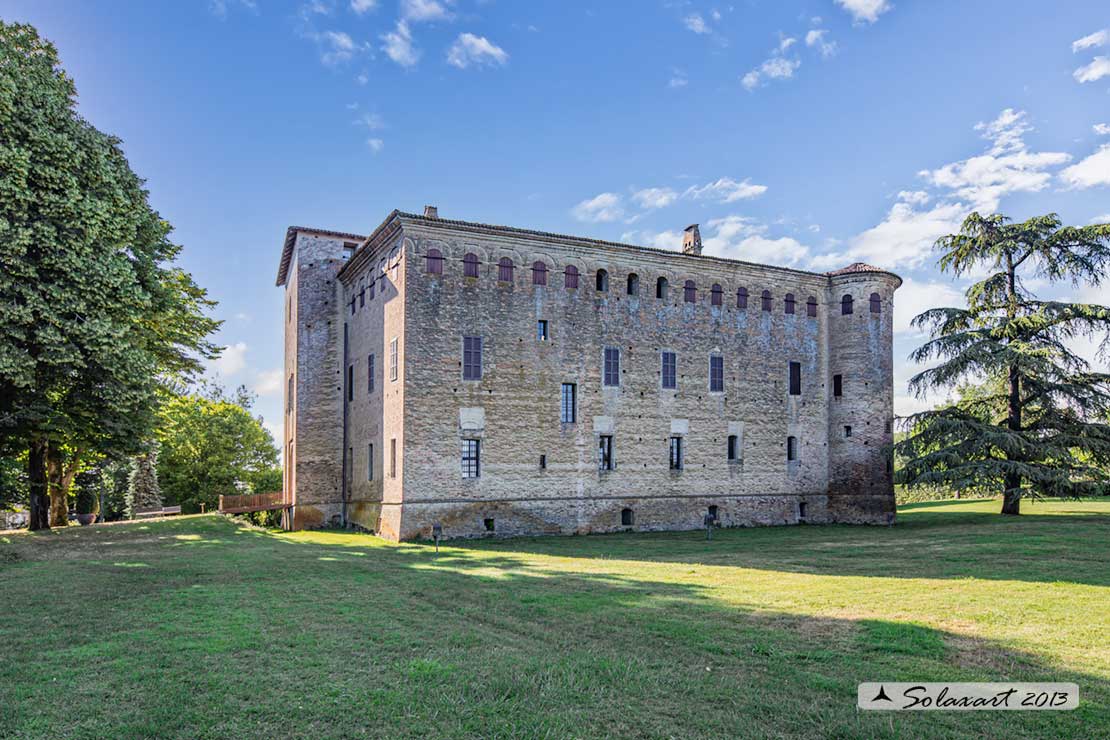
<point>508,381</point>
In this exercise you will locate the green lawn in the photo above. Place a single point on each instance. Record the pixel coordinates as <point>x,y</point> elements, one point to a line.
<point>196,627</point>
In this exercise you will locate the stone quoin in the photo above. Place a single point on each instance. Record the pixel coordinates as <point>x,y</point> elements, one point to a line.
<point>503,381</point>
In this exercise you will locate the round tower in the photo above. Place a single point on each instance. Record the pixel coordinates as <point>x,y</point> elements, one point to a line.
<point>861,394</point>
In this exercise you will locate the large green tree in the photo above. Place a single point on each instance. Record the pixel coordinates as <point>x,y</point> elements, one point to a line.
<point>1037,425</point>
<point>94,316</point>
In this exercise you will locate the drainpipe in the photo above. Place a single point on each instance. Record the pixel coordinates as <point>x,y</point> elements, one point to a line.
<point>346,395</point>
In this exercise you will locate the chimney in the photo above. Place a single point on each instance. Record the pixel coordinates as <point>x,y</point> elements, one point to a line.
<point>431,212</point>
<point>691,240</point>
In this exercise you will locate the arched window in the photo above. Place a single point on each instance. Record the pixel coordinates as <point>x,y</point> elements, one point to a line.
<point>876,303</point>
<point>626,517</point>
<point>846,305</point>
<point>602,281</point>
<point>661,288</point>
<point>570,277</point>
<point>633,284</point>
<point>811,306</point>
<point>788,303</point>
<point>505,270</point>
<point>435,262</point>
<point>690,292</point>
<point>766,300</point>
<point>741,297</point>
<point>716,295</point>
<point>470,265</point>
<point>539,273</point>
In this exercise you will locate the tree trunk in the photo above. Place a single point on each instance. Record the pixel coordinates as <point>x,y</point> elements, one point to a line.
<point>59,479</point>
<point>36,476</point>
<point>1011,497</point>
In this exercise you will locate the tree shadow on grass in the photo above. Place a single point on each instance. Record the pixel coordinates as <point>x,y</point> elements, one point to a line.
<point>243,633</point>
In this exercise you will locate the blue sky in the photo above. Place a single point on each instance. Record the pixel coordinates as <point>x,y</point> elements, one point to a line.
<point>809,134</point>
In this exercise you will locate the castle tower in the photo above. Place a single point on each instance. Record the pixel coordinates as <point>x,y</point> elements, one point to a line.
<point>691,240</point>
<point>312,449</point>
<point>861,393</point>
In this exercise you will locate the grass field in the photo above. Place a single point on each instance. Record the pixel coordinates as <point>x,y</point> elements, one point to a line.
<point>197,627</point>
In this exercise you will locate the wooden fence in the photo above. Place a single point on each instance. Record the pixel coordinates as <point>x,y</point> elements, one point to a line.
<point>253,502</point>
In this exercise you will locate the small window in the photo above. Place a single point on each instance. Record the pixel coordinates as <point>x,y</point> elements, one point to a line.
<point>846,305</point>
<point>741,297</point>
<point>791,448</point>
<point>716,295</point>
<point>289,396</point>
<point>626,517</point>
<point>676,453</point>
<point>541,330</point>
<point>470,265</point>
<point>350,382</point>
<point>505,270</point>
<point>472,358</point>
<point>543,462</point>
<point>876,303</point>
<point>661,288</point>
<point>690,292</point>
<point>470,459</point>
<point>788,303</point>
<point>795,378</point>
<point>349,249</point>
<point>370,374</point>
<point>434,262</point>
<point>570,278</point>
<point>713,512</point>
<point>568,403</point>
<point>811,307</point>
<point>847,430</point>
<point>612,366</point>
<point>838,386</point>
<point>802,510</point>
<point>352,305</point>
<point>362,297</point>
<point>633,284</point>
<point>669,361</point>
<point>393,359</point>
<point>733,452</point>
<point>602,281</point>
<point>716,374</point>
<point>766,300</point>
<point>539,273</point>
<point>605,452</point>
<point>370,462</point>
<point>393,458</point>
<point>488,524</point>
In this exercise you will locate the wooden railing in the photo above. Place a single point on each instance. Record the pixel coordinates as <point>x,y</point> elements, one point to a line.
<point>253,502</point>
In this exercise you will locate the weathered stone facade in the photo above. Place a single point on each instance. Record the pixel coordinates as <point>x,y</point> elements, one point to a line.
<point>539,474</point>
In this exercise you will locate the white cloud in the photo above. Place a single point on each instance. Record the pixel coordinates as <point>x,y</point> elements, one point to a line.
<point>914,197</point>
<point>1089,172</point>
<point>424,10</point>
<point>469,49</point>
<point>657,239</point>
<point>1006,131</point>
<point>654,197</point>
<point>726,190</point>
<point>815,38</point>
<point>678,79</point>
<point>786,43</point>
<point>865,11</point>
<point>915,296</point>
<point>363,6</point>
<point>372,121</point>
<point>276,431</point>
<point>337,47</point>
<point>696,23</point>
<point>775,68</point>
<point>1101,129</point>
<point>398,46</point>
<point>231,360</point>
<point>743,238</point>
<point>906,236</point>
<point>268,383</point>
<point>1094,71</point>
<point>1098,38</point>
<point>602,207</point>
<point>362,78</point>
<point>376,145</point>
<point>1103,219</point>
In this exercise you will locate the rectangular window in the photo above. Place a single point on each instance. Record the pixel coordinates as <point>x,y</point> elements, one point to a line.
<point>289,396</point>
<point>393,358</point>
<point>568,410</point>
<point>393,458</point>
<point>471,453</point>
<point>716,374</point>
<point>838,386</point>
<point>791,448</point>
<point>676,453</point>
<point>543,462</point>
<point>352,306</point>
<point>795,378</point>
<point>370,462</point>
<point>362,298</point>
<point>847,430</point>
<point>605,452</point>
<point>472,358</point>
<point>669,364</point>
<point>733,451</point>
<point>541,330</point>
<point>370,374</point>
<point>612,366</point>
<point>350,382</point>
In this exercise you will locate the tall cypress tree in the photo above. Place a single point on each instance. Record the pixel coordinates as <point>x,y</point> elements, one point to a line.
<point>1038,427</point>
<point>143,491</point>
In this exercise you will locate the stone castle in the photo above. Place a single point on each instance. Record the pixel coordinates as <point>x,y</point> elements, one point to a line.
<point>497,380</point>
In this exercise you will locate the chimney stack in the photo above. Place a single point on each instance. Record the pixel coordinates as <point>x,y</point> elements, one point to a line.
<point>691,240</point>
<point>431,212</point>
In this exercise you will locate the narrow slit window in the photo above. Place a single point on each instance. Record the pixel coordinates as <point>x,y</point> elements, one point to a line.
<point>669,362</point>
<point>362,297</point>
<point>350,382</point>
<point>393,458</point>
<point>541,330</point>
<point>847,430</point>
<point>370,462</point>
<point>716,374</point>
<point>370,374</point>
<point>795,378</point>
<point>791,448</point>
<point>733,451</point>
<point>676,453</point>
<point>838,386</point>
<point>393,359</point>
<point>612,366</point>
<point>543,462</point>
<point>605,452</point>
<point>568,403</point>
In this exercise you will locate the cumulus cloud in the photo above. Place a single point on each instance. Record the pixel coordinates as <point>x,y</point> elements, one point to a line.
<point>916,296</point>
<point>602,207</point>
<point>232,360</point>
<point>743,238</point>
<point>659,239</point>
<point>1090,171</point>
<point>1103,219</point>
<point>694,22</point>
<point>914,197</point>
<point>1101,129</point>
<point>469,49</point>
<point>816,39</point>
<point>363,6</point>
<point>1096,70</point>
<point>398,45</point>
<point>1098,38</point>
<point>775,68</point>
<point>650,198</point>
<point>865,11</point>
<point>419,11</point>
<point>726,190</point>
<point>268,383</point>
